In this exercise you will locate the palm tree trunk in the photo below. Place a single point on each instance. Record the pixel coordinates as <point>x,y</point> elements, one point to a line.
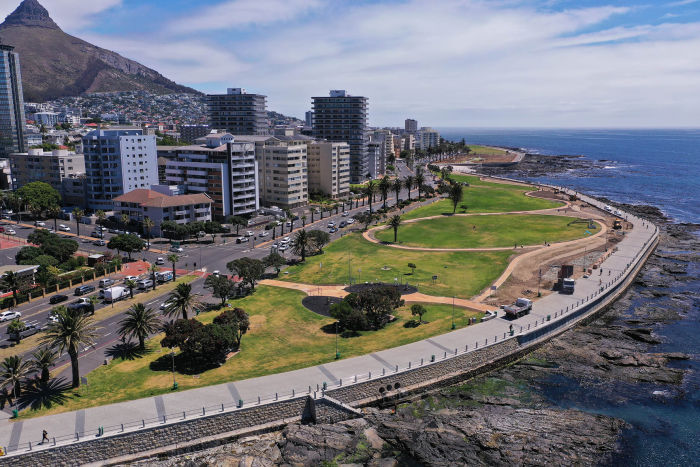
<point>75,368</point>
<point>173,271</point>
<point>184,313</point>
<point>45,375</point>
<point>142,342</point>
<point>396,232</point>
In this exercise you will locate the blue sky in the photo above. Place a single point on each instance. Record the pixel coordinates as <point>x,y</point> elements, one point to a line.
<point>499,63</point>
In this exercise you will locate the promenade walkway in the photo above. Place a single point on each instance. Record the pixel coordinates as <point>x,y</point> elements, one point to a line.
<point>152,410</point>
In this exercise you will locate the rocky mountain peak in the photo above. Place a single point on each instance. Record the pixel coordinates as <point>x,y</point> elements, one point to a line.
<point>30,13</point>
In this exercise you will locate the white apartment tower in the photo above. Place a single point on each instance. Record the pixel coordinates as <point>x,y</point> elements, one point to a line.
<point>329,168</point>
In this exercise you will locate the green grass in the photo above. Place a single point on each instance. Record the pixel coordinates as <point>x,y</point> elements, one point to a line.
<point>477,150</point>
<point>483,196</point>
<point>462,274</point>
<point>491,231</point>
<point>283,336</point>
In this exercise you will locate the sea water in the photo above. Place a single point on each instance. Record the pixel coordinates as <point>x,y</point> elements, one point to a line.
<point>659,168</point>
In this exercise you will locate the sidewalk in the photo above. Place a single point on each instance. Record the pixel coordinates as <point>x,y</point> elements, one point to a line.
<point>549,309</point>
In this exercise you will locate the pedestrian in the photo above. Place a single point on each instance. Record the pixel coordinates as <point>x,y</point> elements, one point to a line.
<point>44,436</point>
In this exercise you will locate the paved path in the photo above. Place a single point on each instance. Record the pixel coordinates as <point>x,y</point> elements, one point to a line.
<point>170,404</point>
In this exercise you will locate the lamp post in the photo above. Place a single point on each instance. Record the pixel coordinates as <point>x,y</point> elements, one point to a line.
<point>453,312</point>
<point>337,353</point>
<point>172,356</point>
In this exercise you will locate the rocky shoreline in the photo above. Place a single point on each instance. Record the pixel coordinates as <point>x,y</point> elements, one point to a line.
<point>506,417</point>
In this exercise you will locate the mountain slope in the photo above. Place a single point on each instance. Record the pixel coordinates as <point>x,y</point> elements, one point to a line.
<point>55,64</point>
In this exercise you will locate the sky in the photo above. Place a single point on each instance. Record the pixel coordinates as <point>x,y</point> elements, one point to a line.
<point>446,63</point>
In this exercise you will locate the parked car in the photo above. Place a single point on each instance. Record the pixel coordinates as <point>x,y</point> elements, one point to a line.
<point>345,214</point>
<point>283,247</point>
<point>264,233</point>
<point>176,249</point>
<point>58,299</point>
<point>104,283</point>
<point>10,232</point>
<point>64,228</point>
<point>331,225</point>
<point>83,300</point>
<point>144,284</point>
<point>351,220</point>
<point>333,230</point>
<point>83,289</point>
<point>99,242</point>
<point>342,224</point>
<point>285,240</point>
<point>9,315</point>
<point>216,273</point>
<point>131,278</point>
<point>160,261</point>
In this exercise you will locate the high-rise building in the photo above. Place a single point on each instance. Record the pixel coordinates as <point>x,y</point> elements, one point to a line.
<point>343,118</point>
<point>238,112</point>
<point>12,120</point>
<point>222,168</point>
<point>189,133</point>
<point>118,161</point>
<point>309,119</point>
<point>426,138</point>
<point>411,125</point>
<point>329,168</point>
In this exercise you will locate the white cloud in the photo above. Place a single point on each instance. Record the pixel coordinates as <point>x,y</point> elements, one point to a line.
<point>237,13</point>
<point>70,15</point>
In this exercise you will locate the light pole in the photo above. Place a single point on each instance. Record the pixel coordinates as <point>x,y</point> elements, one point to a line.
<point>172,356</point>
<point>337,354</point>
<point>453,312</point>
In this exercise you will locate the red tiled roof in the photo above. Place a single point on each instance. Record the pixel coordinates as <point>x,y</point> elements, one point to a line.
<point>180,200</point>
<point>139,196</point>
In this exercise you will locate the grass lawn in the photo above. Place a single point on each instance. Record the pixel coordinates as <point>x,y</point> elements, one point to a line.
<point>283,336</point>
<point>31,342</point>
<point>491,231</point>
<point>482,196</point>
<point>462,274</point>
<point>485,150</point>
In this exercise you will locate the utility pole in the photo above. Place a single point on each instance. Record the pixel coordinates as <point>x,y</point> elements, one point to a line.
<point>453,312</point>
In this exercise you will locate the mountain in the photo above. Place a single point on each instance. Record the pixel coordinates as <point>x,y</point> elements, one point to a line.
<point>55,64</point>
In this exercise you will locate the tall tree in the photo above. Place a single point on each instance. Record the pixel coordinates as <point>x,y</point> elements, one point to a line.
<point>11,280</point>
<point>455,195</point>
<point>53,212</point>
<point>408,183</point>
<point>42,360</point>
<point>70,332</point>
<point>139,322</point>
<point>397,186</point>
<point>318,239</point>
<point>173,258</point>
<point>78,215</point>
<point>419,180</point>
<point>369,191</point>
<point>128,243</point>
<point>182,301</point>
<point>248,269</point>
<point>384,187</point>
<point>300,244</point>
<point>395,222</point>
<point>221,287</point>
<point>238,221</point>
<point>101,217</point>
<point>125,221</point>
<point>41,195</point>
<point>12,370</point>
<point>131,285</point>
<point>274,260</point>
<point>148,225</point>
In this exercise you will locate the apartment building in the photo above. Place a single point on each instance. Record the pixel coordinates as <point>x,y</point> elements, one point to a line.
<point>329,168</point>
<point>183,209</point>
<point>282,168</point>
<point>189,133</point>
<point>224,169</point>
<point>118,161</point>
<point>343,118</point>
<point>426,138</point>
<point>238,112</point>
<point>410,125</point>
<point>12,120</point>
<point>50,167</point>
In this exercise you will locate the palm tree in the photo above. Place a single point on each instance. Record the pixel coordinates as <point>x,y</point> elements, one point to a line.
<point>54,212</point>
<point>173,258</point>
<point>384,187</point>
<point>16,201</point>
<point>69,333</point>
<point>455,195</point>
<point>238,221</point>
<point>182,301</point>
<point>139,322</point>
<point>395,222</point>
<point>419,180</point>
<point>131,285</point>
<point>148,225</point>
<point>408,183</point>
<point>11,281</point>
<point>101,216</point>
<point>301,244</point>
<point>153,270</point>
<point>78,214</point>
<point>303,220</point>
<point>12,370</point>
<point>397,186</point>
<point>369,191</point>
<point>125,221</point>
<point>42,361</point>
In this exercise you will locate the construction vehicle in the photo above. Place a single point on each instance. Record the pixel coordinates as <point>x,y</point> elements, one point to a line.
<point>521,307</point>
<point>564,283</point>
<point>617,224</point>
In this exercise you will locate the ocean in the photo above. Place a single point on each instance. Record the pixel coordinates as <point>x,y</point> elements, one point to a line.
<point>659,168</point>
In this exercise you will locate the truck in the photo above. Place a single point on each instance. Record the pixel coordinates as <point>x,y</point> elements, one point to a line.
<point>521,307</point>
<point>116,293</point>
<point>565,273</point>
<point>567,285</point>
<point>164,276</point>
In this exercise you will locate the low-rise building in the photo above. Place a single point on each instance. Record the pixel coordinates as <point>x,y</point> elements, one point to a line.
<point>329,168</point>
<point>159,207</point>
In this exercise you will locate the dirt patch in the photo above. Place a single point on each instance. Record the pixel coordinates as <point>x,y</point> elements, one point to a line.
<point>403,288</point>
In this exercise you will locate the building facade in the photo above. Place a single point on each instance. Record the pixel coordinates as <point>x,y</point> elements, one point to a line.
<point>238,112</point>
<point>182,209</point>
<point>426,138</point>
<point>343,118</point>
<point>329,168</point>
<point>50,167</point>
<point>224,169</point>
<point>189,133</point>
<point>48,119</point>
<point>309,119</point>
<point>116,162</point>
<point>12,119</point>
<point>410,125</point>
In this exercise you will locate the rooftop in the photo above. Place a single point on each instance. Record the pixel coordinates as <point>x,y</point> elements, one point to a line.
<point>150,198</point>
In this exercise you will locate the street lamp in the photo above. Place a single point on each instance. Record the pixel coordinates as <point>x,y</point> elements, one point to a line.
<point>453,312</point>
<point>172,356</point>
<point>337,353</point>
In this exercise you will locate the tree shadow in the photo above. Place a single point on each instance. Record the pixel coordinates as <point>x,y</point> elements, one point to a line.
<point>183,365</point>
<point>411,324</point>
<point>344,333</point>
<point>126,351</point>
<point>45,395</point>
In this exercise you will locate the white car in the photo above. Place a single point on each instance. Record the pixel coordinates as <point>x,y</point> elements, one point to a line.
<point>160,261</point>
<point>282,247</point>
<point>264,233</point>
<point>285,240</point>
<point>40,224</point>
<point>130,278</point>
<point>9,315</point>
<point>164,305</point>
<point>10,232</point>
<point>215,273</point>
<point>249,234</point>
<point>345,214</point>
<point>64,228</point>
<point>351,220</point>
<point>176,249</point>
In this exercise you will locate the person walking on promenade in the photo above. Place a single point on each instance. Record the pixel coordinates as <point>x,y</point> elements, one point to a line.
<point>44,436</point>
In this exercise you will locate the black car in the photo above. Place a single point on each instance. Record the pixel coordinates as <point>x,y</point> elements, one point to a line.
<point>58,299</point>
<point>83,289</point>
